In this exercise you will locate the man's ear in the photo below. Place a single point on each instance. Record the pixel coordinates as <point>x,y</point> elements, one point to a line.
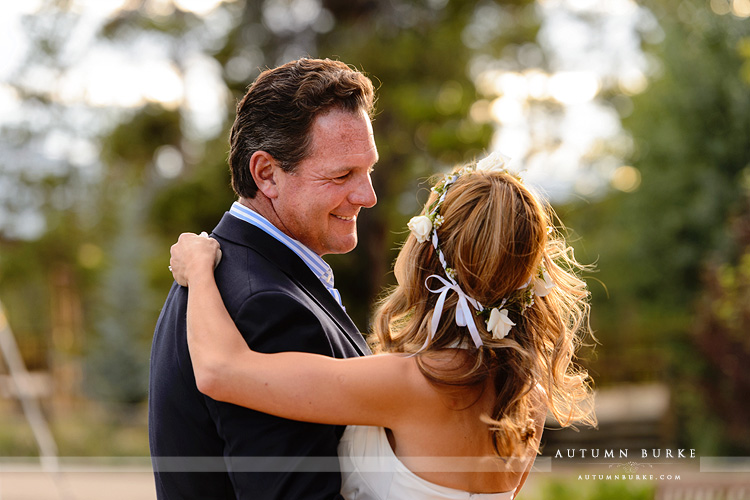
<point>264,168</point>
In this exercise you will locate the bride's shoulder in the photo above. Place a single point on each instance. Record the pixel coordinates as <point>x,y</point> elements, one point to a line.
<point>413,370</point>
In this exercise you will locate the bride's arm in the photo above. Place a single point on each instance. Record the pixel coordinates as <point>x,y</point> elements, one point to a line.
<point>372,390</point>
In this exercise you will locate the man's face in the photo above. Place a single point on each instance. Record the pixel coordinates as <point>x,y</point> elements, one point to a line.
<point>319,202</point>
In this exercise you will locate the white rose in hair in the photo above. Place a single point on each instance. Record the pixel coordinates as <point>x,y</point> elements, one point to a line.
<point>499,323</point>
<point>496,162</point>
<point>421,227</point>
<point>543,285</point>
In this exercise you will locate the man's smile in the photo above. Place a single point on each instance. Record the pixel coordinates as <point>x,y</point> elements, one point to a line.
<point>341,217</point>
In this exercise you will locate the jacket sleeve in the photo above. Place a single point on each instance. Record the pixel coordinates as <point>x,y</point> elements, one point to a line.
<point>263,451</point>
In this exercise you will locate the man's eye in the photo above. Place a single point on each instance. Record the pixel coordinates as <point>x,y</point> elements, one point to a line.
<point>343,177</point>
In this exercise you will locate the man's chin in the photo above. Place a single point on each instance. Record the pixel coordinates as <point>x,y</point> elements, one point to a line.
<point>344,246</point>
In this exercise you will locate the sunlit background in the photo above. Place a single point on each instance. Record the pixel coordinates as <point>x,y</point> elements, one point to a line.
<point>631,118</point>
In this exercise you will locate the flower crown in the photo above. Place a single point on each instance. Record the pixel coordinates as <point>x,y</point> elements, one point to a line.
<point>424,228</point>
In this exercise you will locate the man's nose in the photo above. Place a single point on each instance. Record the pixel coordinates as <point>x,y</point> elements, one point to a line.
<point>364,194</point>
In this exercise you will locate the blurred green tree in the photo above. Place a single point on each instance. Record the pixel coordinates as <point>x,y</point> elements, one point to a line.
<point>721,335</point>
<point>47,261</point>
<point>690,129</point>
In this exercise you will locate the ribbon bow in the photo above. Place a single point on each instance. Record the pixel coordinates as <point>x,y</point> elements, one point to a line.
<point>463,312</point>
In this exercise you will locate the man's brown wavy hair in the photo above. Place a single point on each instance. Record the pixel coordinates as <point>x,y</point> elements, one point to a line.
<point>277,113</point>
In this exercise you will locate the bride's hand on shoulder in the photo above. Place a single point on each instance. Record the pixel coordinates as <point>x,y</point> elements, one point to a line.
<point>193,256</point>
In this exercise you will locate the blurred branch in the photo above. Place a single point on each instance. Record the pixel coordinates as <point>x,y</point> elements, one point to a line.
<point>31,407</point>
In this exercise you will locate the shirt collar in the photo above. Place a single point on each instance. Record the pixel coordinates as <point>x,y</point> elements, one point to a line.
<point>317,265</point>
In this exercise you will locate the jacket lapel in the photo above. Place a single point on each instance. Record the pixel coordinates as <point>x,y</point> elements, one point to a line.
<point>243,233</point>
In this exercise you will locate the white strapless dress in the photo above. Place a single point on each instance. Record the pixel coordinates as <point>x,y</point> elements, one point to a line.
<point>371,471</point>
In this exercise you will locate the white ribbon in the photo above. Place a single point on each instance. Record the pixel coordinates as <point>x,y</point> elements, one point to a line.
<point>463,312</point>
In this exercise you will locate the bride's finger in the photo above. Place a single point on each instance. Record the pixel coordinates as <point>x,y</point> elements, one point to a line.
<point>217,258</point>
<point>175,268</point>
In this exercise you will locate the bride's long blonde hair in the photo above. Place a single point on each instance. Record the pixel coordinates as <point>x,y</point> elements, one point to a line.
<point>495,235</point>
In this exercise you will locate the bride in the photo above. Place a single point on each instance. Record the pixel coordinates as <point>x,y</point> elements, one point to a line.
<point>476,342</point>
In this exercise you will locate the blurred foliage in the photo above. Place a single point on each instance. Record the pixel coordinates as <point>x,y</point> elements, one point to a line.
<point>690,130</point>
<point>721,335</point>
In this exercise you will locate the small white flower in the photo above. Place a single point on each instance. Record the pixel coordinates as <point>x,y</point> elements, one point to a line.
<point>543,285</point>
<point>450,272</point>
<point>439,219</point>
<point>421,227</point>
<point>493,163</point>
<point>499,323</point>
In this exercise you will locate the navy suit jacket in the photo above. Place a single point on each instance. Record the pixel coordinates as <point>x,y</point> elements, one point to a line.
<point>197,444</point>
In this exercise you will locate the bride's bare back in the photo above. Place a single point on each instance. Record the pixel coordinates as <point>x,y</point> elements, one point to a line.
<point>447,443</point>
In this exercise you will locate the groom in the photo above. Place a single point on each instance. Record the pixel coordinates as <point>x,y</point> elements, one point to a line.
<point>301,155</point>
